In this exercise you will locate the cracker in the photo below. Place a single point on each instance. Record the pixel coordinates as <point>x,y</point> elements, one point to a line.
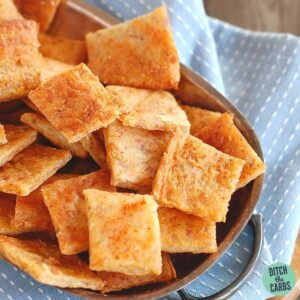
<point>225,136</point>
<point>118,281</point>
<point>7,211</point>
<point>76,103</point>
<point>31,213</point>
<point>124,233</point>
<point>196,178</point>
<point>3,138</point>
<point>18,138</point>
<point>133,155</point>
<point>8,11</point>
<point>40,123</point>
<point>96,148</point>
<point>67,207</point>
<point>139,53</point>
<point>181,232</point>
<point>19,67</point>
<point>153,110</point>
<point>63,49</point>
<point>46,264</point>
<point>41,11</point>
<point>30,168</point>
<point>199,118</point>
<point>51,67</point>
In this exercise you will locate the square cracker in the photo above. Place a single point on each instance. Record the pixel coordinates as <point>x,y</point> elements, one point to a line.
<point>63,49</point>
<point>139,53</point>
<point>67,207</point>
<point>19,68</point>
<point>18,138</point>
<point>8,11</point>
<point>199,118</point>
<point>96,148</point>
<point>196,178</point>
<point>76,103</point>
<point>31,213</point>
<point>124,233</point>
<point>7,211</point>
<point>46,264</point>
<point>30,168</point>
<point>42,11</point>
<point>3,138</point>
<point>51,67</point>
<point>40,123</point>
<point>118,281</point>
<point>225,136</point>
<point>181,232</point>
<point>153,110</point>
<point>133,155</point>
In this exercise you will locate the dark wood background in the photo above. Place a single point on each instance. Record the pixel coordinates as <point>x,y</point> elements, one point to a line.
<point>261,15</point>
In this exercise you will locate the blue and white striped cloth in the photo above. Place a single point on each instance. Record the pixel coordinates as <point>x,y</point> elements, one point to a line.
<point>259,72</point>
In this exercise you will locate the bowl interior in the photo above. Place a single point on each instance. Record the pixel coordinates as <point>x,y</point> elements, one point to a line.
<point>74,19</point>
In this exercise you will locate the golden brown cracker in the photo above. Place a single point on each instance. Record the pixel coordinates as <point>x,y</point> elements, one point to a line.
<point>181,232</point>
<point>118,281</point>
<point>44,262</point>
<point>96,148</point>
<point>40,123</point>
<point>62,49</point>
<point>124,233</point>
<point>199,118</point>
<point>42,11</point>
<point>30,168</point>
<point>139,53</point>
<point>3,138</point>
<point>133,155</point>
<point>8,11</point>
<point>196,178</point>
<point>76,103</point>
<point>152,110</point>
<point>225,136</point>
<point>31,213</point>
<point>20,71</point>
<point>67,207</point>
<point>18,138</point>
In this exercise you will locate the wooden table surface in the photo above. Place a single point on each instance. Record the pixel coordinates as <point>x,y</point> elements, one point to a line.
<point>262,15</point>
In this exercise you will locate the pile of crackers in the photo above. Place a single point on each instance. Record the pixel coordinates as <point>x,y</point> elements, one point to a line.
<point>103,173</point>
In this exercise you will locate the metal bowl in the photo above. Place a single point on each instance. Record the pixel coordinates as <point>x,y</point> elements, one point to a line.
<point>74,19</point>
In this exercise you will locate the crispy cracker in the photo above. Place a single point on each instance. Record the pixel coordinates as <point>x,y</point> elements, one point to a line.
<point>96,148</point>
<point>18,138</point>
<point>46,264</point>
<point>124,233</point>
<point>8,11</point>
<point>225,136</point>
<point>199,118</point>
<point>181,232</point>
<point>31,213</point>
<point>133,155</point>
<point>153,110</point>
<point>42,11</point>
<point>30,168</point>
<point>14,118</point>
<point>3,138</point>
<point>76,103</point>
<point>67,207</point>
<point>19,59</point>
<point>7,211</point>
<point>40,123</point>
<point>62,49</point>
<point>118,281</point>
<point>51,67</point>
<point>196,178</point>
<point>140,53</point>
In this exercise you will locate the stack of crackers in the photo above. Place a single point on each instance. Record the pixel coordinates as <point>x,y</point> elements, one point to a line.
<point>98,157</point>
